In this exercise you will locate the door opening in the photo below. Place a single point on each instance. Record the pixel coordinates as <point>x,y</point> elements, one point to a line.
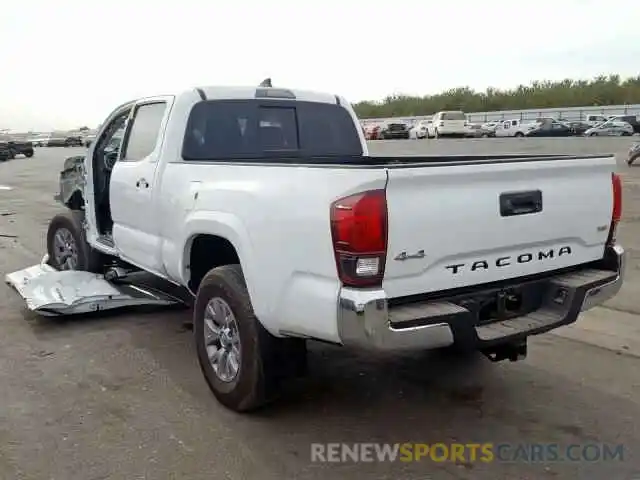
<point>105,156</point>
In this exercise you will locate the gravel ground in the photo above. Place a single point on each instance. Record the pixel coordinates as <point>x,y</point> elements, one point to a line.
<point>122,397</point>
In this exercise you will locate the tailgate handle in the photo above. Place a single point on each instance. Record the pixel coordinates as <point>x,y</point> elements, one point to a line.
<point>520,203</point>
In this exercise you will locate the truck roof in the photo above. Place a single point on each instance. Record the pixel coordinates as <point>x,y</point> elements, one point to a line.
<point>222,92</point>
<point>241,93</point>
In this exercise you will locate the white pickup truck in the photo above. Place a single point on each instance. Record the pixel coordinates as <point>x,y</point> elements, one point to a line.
<point>265,204</point>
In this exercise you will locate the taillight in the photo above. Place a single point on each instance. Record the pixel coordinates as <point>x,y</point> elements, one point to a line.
<point>359,234</point>
<point>616,213</point>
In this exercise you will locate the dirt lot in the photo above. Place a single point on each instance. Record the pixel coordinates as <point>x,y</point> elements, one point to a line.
<point>122,397</point>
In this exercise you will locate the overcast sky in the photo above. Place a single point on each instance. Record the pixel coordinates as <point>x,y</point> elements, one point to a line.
<point>69,63</point>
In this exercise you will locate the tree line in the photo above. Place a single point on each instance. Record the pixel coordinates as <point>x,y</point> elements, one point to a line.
<point>601,91</point>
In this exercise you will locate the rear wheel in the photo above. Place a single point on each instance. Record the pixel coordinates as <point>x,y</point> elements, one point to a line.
<point>519,134</point>
<point>242,362</point>
<point>28,153</point>
<point>67,245</point>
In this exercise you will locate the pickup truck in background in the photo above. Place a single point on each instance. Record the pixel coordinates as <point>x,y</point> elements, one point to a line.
<point>265,205</point>
<point>18,147</point>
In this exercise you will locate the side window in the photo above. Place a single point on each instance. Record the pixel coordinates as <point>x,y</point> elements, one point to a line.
<point>505,125</point>
<point>514,123</point>
<point>108,143</point>
<point>143,132</point>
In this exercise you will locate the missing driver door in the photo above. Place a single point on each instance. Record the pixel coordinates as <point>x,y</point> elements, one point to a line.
<point>136,226</point>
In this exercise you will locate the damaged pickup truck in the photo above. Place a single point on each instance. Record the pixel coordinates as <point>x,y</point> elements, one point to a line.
<point>265,205</point>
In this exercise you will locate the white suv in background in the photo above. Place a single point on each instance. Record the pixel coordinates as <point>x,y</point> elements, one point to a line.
<point>448,123</point>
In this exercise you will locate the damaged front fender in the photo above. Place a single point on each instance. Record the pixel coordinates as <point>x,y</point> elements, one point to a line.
<point>72,183</point>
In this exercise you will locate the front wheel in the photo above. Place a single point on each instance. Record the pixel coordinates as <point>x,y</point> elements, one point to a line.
<point>67,244</point>
<point>242,362</point>
<point>28,153</point>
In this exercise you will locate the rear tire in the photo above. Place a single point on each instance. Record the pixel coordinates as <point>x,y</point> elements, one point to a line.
<point>28,153</point>
<point>67,244</point>
<point>258,361</point>
<point>519,134</point>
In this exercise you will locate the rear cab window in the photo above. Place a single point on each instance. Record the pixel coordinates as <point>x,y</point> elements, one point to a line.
<point>261,129</point>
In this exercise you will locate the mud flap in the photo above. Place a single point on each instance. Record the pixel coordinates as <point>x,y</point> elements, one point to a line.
<point>50,292</point>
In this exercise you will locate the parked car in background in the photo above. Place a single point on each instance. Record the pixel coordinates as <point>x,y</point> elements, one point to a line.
<point>474,130</point>
<point>4,151</point>
<point>420,130</point>
<point>73,141</point>
<point>631,120</point>
<point>372,132</point>
<point>17,147</point>
<point>491,124</point>
<point>634,153</point>
<point>490,127</point>
<point>448,124</point>
<point>514,128</point>
<point>579,127</point>
<point>592,120</point>
<point>487,132</point>
<point>40,140</point>
<point>552,129</point>
<point>394,130</point>
<point>610,128</point>
<point>56,141</point>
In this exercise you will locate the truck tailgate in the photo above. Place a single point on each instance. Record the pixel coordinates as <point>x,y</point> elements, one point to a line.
<point>454,226</point>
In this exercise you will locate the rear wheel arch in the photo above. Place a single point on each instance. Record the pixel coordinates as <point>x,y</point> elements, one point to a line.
<point>205,251</point>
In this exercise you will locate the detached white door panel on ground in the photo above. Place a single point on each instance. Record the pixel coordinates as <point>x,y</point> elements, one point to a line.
<point>49,292</point>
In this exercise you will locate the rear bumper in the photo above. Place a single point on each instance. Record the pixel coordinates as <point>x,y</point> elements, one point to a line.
<point>366,320</point>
